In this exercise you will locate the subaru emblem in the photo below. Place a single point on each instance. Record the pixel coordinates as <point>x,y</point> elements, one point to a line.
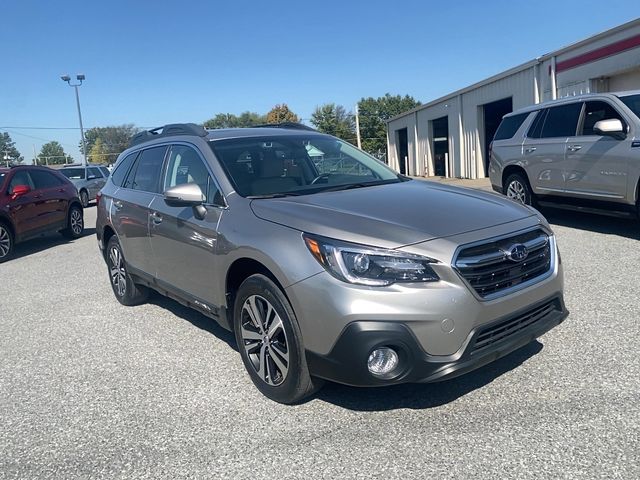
<point>517,252</point>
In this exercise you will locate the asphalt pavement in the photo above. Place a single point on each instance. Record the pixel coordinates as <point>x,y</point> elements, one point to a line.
<point>92,389</point>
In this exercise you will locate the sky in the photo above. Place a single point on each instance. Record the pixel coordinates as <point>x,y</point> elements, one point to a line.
<point>150,63</point>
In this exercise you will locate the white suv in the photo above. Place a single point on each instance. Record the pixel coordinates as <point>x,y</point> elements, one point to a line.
<point>578,153</point>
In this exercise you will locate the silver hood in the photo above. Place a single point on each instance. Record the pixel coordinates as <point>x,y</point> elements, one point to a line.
<point>395,215</point>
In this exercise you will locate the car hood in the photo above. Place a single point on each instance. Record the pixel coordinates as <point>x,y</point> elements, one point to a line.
<point>392,215</point>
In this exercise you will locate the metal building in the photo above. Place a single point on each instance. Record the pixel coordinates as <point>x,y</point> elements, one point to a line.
<point>450,136</point>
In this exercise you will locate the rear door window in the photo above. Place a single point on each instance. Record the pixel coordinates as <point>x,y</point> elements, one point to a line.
<point>120,173</point>
<point>562,121</point>
<point>93,171</point>
<point>509,126</point>
<point>145,175</point>
<point>42,179</point>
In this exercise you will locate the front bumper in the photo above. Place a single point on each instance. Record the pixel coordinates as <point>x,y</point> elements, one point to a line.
<point>347,361</point>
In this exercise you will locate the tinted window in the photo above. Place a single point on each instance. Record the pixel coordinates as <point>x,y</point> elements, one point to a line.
<point>509,126</point>
<point>596,111</point>
<point>42,179</point>
<point>145,175</point>
<point>120,173</point>
<point>633,102</point>
<point>20,178</point>
<point>94,171</point>
<point>535,130</point>
<point>105,171</point>
<point>73,173</point>
<point>186,166</point>
<point>562,121</point>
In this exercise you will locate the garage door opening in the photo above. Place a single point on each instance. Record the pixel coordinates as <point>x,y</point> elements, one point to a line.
<point>403,149</point>
<point>440,146</point>
<point>492,116</point>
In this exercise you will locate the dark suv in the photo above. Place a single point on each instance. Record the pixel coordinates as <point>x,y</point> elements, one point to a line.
<point>34,201</point>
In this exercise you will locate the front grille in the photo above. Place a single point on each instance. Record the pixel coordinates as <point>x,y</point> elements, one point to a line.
<point>502,330</point>
<point>491,268</point>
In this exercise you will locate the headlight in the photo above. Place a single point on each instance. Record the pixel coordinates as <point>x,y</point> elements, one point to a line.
<point>369,266</point>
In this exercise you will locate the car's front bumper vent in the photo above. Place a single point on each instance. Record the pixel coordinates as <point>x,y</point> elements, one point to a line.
<point>498,266</point>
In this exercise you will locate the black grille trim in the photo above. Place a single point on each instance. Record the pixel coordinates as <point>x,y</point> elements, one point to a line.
<point>490,272</point>
<point>503,330</point>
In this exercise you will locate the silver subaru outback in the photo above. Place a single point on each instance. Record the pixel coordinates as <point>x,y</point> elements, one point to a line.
<point>326,264</point>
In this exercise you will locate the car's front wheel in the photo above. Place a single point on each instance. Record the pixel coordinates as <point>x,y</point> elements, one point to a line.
<point>125,290</point>
<point>75,223</point>
<point>6,243</point>
<point>270,341</point>
<point>517,188</point>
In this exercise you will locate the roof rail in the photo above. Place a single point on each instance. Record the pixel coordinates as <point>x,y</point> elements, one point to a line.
<point>167,131</point>
<point>292,125</point>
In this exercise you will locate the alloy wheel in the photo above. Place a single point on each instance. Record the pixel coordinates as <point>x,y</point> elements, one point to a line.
<point>117,271</point>
<point>77,223</point>
<point>265,340</point>
<point>5,242</point>
<point>84,199</point>
<point>517,191</point>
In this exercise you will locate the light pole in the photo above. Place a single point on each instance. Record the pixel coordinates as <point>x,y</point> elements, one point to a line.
<point>80,78</point>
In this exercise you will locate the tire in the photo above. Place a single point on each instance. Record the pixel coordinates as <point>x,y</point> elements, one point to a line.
<point>278,368</point>
<point>7,242</point>
<point>517,188</point>
<point>123,286</point>
<point>75,223</point>
<point>84,198</point>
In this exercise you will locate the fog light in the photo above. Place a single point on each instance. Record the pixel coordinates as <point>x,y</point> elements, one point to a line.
<point>382,361</point>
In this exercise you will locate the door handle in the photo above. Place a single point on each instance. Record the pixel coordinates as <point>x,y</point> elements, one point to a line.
<point>530,150</point>
<point>574,148</point>
<point>156,218</point>
<point>117,204</point>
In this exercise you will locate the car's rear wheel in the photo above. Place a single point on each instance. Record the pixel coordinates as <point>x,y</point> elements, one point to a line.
<point>270,341</point>
<point>6,243</point>
<point>84,198</point>
<point>517,188</point>
<point>75,223</point>
<point>123,286</point>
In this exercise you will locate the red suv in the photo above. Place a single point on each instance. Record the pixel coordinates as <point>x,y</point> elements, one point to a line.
<point>33,201</point>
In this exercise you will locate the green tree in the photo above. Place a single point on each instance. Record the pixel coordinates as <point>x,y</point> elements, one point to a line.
<point>115,139</point>
<point>8,149</point>
<point>98,152</point>
<point>229,120</point>
<point>52,153</point>
<point>281,114</point>
<point>335,120</point>
<point>374,113</point>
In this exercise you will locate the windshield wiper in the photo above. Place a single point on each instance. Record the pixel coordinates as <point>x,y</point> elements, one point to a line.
<point>273,195</point>
<point>349,186</point>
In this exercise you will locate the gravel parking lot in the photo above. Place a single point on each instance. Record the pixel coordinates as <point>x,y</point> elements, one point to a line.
<point>92,389</point>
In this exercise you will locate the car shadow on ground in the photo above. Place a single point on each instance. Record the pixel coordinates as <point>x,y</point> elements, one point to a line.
<point>623,227</point>
<point>45,242</point>
<point>420,396</point>
<point>194,317</point>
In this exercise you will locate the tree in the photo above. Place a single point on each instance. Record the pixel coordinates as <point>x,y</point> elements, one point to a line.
<point>335,120</point>
<point>115,139</point>
<point>98,152</point>
<point>8,149</point>
<point>374,112</point>
<point>52,153</point>
<point>229,120</point>
<point>281,114</point>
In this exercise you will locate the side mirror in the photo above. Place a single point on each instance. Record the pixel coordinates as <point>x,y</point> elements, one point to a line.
<point>610,128</point>
<point>19,190</point>
<point>186,195</point>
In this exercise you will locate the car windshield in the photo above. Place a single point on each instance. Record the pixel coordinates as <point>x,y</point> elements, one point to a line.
<point>297,165</point>
<point>73,173</point>
<point>633,102</point>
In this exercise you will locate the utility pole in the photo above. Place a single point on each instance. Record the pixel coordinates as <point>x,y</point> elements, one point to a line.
<point>358,128</point>
<point>35,156</point>
<point>80,77</point>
